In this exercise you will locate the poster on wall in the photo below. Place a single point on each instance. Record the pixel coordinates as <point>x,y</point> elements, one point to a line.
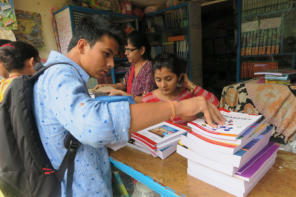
<point>7,15</point>
<point>29,28</point>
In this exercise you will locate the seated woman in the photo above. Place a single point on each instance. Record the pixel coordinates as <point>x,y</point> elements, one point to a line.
<point>174,85</point>
<point>139,79</point>
<point>18,58</point>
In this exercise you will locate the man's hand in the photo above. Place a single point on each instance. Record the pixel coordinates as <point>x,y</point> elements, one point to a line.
<point>195,105</point>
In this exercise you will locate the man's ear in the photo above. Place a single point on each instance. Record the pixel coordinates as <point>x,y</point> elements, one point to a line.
<point>82,45</point>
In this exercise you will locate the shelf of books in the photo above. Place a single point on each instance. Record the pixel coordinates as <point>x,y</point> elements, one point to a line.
<point>232,157</point>
<point>177,30</point>
<point>267,33</point>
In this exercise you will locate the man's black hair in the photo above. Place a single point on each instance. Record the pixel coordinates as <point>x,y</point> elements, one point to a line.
<point>93,28</point>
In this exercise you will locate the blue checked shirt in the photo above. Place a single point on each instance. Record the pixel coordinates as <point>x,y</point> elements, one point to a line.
<point>62,104</point>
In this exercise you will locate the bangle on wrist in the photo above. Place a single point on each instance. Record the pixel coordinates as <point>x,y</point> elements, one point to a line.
<point>173,110</point>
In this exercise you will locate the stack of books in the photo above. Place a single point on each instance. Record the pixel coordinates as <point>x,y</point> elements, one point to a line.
<point>280,76</point>
<point>159,140</point>
<point>232,157</point>
<point>248,69</point>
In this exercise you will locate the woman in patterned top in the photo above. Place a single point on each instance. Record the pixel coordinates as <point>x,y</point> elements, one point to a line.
<point>173,84</point>
<point>139,78</point>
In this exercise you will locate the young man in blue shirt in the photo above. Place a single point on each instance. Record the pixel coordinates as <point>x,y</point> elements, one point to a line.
<point>62,104</point>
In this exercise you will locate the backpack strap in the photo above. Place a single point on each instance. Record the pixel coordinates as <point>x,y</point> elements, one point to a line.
<point>70,143</point>
<point>41,70</point>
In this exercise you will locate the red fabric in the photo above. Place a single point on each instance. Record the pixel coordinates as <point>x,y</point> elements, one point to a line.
<point>7,45</point>
<point>130,80</point>
<point>143,82</point>
<point>185,94</point>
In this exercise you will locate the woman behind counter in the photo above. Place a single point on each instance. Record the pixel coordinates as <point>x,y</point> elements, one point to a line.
<point>139,78</point>
<point>173,84</point>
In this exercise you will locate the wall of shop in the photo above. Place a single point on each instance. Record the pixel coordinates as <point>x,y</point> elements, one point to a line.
<point>44,8</point>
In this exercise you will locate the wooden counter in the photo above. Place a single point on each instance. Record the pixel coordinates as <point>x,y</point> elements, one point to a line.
<point>280,181</point>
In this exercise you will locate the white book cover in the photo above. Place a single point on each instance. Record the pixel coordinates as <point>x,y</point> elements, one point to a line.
<point>160,133</point>
<point>251,133</point>
<point>235,125</point>
<point>230,184</point>
<point>229,149</point>
<point>239,158</point>
<point>190,155</point>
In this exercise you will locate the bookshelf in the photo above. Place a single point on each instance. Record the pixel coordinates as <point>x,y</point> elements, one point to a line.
<point>266,33</point>
<point>177,30</point>
<point>66,19</point>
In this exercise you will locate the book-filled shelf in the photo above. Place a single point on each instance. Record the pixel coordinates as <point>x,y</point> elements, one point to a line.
<point>167,31</point>
<point>172,30</point>
<point>266,34</point>
<point>232,157</point>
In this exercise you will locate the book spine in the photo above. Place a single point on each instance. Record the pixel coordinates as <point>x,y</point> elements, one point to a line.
<point>258,160</point>
<point>145,140</point>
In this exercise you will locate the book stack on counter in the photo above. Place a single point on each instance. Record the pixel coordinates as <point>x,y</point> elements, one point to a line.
<point>280,76</point>
<point>159,140</point>
<point>232,157</point>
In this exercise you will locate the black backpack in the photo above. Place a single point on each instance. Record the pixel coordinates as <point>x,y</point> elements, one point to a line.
<point>25,170</point>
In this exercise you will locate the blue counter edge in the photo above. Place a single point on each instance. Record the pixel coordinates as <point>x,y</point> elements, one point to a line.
<point>146,180</point>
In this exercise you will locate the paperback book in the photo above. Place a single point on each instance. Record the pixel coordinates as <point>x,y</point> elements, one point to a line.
<point>242,182</point>
<point>160,139</point>
<point>223,146</point>
<point>235,126</point>
<point>236,160</point>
